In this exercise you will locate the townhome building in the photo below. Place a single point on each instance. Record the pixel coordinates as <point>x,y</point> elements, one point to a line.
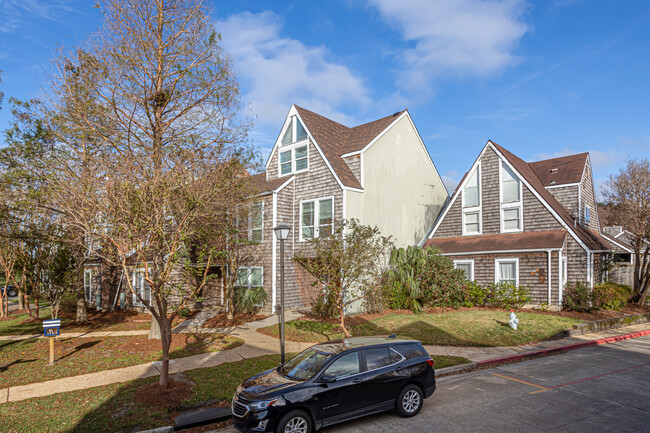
<point>533,224</point>
<point>319,173</point>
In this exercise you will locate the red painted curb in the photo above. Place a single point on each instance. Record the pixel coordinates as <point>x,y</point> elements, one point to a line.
<point>566,348</point>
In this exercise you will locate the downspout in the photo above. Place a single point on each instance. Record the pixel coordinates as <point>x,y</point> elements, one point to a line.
<point>549,275</point>
<point>119,287</point>
<point>274,270</point>
<point>560,277</point>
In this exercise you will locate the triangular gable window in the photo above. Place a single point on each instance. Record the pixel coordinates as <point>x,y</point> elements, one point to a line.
<point>295,132</point>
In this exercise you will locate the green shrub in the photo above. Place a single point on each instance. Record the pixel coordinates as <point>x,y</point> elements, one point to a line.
<point>475,294</point>
<point>184,312</point>
<point>376,297</point>
<point>506,295</point>
<point>611,296</point>
<point>325,305</point>
<point>249,300</point>
<point>578,297</point>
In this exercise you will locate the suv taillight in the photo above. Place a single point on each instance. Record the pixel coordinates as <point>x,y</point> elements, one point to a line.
<point>430,362</point>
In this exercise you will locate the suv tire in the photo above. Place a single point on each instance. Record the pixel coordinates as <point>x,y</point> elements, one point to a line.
<point>11,292</point>
<point>409,401</point>
<point>295,421</point>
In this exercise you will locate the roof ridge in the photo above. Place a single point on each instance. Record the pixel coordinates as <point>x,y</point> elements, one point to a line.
<point>573,155</point>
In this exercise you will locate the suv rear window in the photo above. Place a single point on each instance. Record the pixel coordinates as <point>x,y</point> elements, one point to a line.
<point>411,350</point>
<point>378,357</point>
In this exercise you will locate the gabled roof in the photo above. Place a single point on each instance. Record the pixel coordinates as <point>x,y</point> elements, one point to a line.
<point>593,240</point>
<point>542,240</point>
<point>335,139</point>
<point>560,171</point>
<point>264,186</point>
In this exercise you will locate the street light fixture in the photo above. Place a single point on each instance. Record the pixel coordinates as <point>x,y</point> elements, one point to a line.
<point>282,233</point>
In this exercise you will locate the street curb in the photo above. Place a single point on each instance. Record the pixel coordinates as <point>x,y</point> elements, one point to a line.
<point>566,348</point>
<point>605,324</point>
<point>454,369</point>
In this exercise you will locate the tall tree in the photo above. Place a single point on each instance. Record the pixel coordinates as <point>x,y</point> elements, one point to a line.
<point>157,95</point>
<point>629,195</point>
<point>348,263</point>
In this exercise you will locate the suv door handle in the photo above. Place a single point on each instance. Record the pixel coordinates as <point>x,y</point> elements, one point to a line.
<point>358,380</point>
<point>399,369</point>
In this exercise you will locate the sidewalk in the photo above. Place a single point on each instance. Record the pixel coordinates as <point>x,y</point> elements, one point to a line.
<point>257,344</point>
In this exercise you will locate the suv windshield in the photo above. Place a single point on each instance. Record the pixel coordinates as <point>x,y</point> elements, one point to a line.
<point>305,365</point>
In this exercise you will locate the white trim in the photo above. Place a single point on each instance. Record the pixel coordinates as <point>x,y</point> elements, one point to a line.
<point>590,273</point>
<point>498,261</point>
<point>316,202</point>
<point>609,238</point>
<point>549,275</point>
<point>477,253</point>
<point>292,148</point>
<point>458,192</point>
<point>344,206</point>
<point>536,194</point>
<point>562,185</point>
<point>361,174</point>
<point>374,140</point>
<point>593,191</point>
<point>274,275</point>
<point>513,204</point>
<point>560,278</point>
<point>465,262</point>
<point>349,188</point>
<point>474,209</point>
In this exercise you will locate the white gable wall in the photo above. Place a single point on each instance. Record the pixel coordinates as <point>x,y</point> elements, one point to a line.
<point>403,193</point>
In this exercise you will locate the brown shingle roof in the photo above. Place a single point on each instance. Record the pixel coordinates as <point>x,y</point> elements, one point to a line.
<point>262,185</point>
<point>592,240</point>
<point>335,140</point>
<point>560,171</point>
<point>549,239</point>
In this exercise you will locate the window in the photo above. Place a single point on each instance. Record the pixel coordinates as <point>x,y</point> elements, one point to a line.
<point>467,266</point>
<point>506,271</point>
<point>140,287</point>
<point>316,218</point>
<point>306,364</point>
<point>345,366</point>
<point>472,204</point>
<point>294,159</point>
<point>88,284</point>
<point>249,277</point>
<point>511,207</point>
<point>378,357</point>
<point>256,222</point>
<point>587,214</point>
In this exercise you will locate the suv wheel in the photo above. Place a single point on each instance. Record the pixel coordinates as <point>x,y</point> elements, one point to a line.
<point>295,421</point>
<point>11,292</point>
<point>409,401</point>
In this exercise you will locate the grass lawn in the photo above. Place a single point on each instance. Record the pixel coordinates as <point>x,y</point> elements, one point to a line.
<point>456,328</point>
<point>118,408</point>
<point>25,361</point>
<point>20,324</point>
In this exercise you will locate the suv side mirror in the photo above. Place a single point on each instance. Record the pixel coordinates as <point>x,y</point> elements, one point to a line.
<point>327,379</point>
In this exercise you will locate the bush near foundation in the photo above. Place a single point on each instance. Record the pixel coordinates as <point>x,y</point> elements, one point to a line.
<point>611,296</point>
<point>578,297</point>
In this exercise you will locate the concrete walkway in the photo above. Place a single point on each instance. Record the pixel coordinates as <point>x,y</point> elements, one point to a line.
<point>257,344</point>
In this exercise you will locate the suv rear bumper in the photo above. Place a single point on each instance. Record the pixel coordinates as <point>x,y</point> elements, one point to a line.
<point>429,391</point>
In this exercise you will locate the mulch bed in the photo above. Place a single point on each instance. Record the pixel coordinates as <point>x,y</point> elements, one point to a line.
<point>221,321</point>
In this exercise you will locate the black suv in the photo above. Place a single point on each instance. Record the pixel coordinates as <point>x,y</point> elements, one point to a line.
<point>336,381</point>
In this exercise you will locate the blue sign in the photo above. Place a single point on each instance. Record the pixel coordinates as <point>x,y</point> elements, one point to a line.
<point>51,328</point>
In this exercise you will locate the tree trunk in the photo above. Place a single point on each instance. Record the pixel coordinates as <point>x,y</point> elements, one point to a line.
<point>155,331</point>
<point>27,306</point>
<point>341,308</point>
<point>21,299</point>
<point>37,307</point>
<point>82,312</point>
<point>165,338</point>
<point>3,297</point>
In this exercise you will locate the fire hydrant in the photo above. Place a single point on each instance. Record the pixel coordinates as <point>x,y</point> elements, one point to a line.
<point>513,320</point>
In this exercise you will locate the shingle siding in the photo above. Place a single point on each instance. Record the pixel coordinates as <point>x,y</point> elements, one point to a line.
<point>568,198</point>
<point>587,199</point>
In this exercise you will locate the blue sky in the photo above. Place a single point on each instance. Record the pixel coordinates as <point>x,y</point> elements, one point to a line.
<point>543,79</point>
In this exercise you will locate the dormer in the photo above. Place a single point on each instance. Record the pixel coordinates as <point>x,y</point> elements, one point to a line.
<point>293,148</point>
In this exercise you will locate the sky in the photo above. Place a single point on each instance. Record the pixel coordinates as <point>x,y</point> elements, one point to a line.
<point>541,78</point>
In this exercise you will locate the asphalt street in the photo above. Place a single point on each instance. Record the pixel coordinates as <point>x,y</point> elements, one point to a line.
<point>595,389</point>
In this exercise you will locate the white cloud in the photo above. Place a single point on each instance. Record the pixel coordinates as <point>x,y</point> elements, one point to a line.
<point>275,71</point>
<point>450,179</point>
<point>476,37</point>
<point>15,13</point>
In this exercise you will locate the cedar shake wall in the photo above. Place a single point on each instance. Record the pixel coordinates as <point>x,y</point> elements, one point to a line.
<point>531,266</point>
<point>490,203</point>
<point>568,198</point>
<point>576,261</point>
<point>354,162</point>
<point>451,226</point>
<point>587,199</point>
<point>536,216</point>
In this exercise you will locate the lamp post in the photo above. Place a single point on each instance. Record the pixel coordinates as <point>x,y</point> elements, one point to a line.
<point>282,233</point>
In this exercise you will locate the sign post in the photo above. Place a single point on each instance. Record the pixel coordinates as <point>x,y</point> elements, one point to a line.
<point>51,328</point>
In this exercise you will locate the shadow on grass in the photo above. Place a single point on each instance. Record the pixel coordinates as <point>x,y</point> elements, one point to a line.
<point>5,367</point>
<point>79,348</point>
<point>417,330</point>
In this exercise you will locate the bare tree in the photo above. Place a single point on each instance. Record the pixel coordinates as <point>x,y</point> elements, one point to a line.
<point>347,263</point>
<point>629,195</point>
<point>156,96</point>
